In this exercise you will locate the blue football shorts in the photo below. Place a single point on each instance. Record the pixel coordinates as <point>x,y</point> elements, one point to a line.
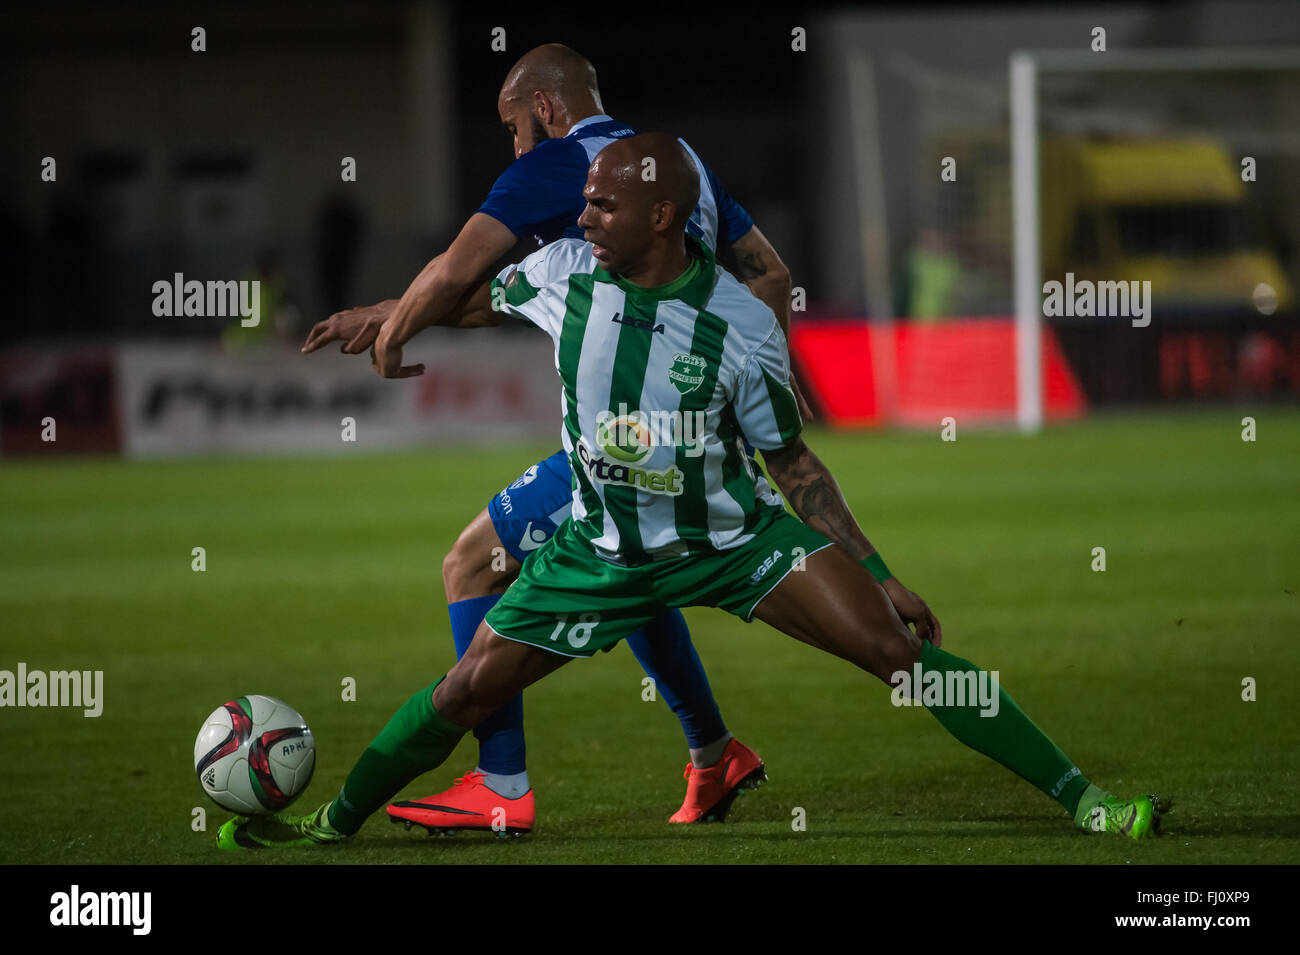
<point>530,510</point>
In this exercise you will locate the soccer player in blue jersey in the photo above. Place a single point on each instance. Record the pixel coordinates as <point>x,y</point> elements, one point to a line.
<point>550,104</point>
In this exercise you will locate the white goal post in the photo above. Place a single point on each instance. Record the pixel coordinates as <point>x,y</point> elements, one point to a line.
<point>1025,68</point>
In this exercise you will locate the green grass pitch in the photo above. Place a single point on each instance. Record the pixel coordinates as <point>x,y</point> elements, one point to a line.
<point>324,568</point>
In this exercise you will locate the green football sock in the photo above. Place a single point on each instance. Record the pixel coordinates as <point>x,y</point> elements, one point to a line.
<point>415,741</point>
<point>1009,736</point>
<point>1092,798</point>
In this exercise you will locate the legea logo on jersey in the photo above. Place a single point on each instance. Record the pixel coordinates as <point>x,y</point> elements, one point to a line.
<point>631,436</point>
<point>603,471</point>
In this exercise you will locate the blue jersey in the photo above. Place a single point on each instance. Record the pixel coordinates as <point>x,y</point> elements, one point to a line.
<point>540,193</point>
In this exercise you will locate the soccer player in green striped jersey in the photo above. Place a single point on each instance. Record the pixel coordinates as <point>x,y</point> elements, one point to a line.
<point>550,104</point>
<point>667,365</point>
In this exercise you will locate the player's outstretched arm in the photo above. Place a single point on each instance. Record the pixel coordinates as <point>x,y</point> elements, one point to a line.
<point>440,290</point>
<point>811,490</point>
<point>441,286</point>
<point>473,310</point>
<point>357,328</point>
<point>437,292</point>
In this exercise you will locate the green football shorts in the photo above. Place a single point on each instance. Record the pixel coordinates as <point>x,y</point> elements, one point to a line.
<point>570,601</point>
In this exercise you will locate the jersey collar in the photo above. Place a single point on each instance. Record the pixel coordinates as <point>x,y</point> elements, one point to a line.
<point>693,286</point>
<point>589,121</point>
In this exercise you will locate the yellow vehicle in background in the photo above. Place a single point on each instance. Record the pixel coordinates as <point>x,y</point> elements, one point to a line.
<point>1169,211</point>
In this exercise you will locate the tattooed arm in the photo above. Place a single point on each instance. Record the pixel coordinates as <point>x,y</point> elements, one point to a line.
<point>816,498</point>
<point>812,492</point>
<point>752,259</point>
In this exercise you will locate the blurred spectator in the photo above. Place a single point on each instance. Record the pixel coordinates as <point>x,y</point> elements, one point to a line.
<point>934,272</point>
<point>277,315</point>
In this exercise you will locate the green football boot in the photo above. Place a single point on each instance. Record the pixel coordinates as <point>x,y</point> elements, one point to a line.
<point>1137,818</point>
<point>283,830</point>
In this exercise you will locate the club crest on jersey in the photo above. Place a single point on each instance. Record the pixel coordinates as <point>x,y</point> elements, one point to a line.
<point>687,372</point>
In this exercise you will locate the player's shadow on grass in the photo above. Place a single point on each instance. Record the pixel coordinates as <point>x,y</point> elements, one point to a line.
<point>1268,827</point>
<point>708,834</point>
<point>979,829</point>
<point>1189,822</point>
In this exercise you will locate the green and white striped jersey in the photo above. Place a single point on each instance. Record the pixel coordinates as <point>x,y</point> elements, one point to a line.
<point>660,388</point>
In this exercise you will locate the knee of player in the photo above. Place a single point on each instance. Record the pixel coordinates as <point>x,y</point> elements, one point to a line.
<point>901,651</point>
<point>898,651</point>
<point>459,569</point>
<point>477,566</point>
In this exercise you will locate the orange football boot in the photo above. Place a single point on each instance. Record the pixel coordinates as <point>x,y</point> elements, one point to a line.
<point>468,804</point>
<point>711,791</point>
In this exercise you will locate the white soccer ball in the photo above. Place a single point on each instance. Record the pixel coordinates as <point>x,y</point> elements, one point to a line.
<point>254,755</point>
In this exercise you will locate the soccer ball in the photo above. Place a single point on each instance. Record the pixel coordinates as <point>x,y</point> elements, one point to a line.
<point>254,755</point>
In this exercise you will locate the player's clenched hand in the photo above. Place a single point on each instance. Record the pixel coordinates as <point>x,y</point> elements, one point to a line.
<point>386,356</point>
<point>915,611</point>
<point>357,328</point>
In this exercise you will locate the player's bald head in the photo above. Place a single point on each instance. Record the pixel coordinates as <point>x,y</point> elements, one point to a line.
<point>651,168</point>
<point>640,193</point>
<point>554,69</point>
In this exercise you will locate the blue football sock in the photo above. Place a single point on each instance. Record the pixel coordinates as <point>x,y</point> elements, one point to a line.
<point>500,736</point>
<point>664,650</point>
